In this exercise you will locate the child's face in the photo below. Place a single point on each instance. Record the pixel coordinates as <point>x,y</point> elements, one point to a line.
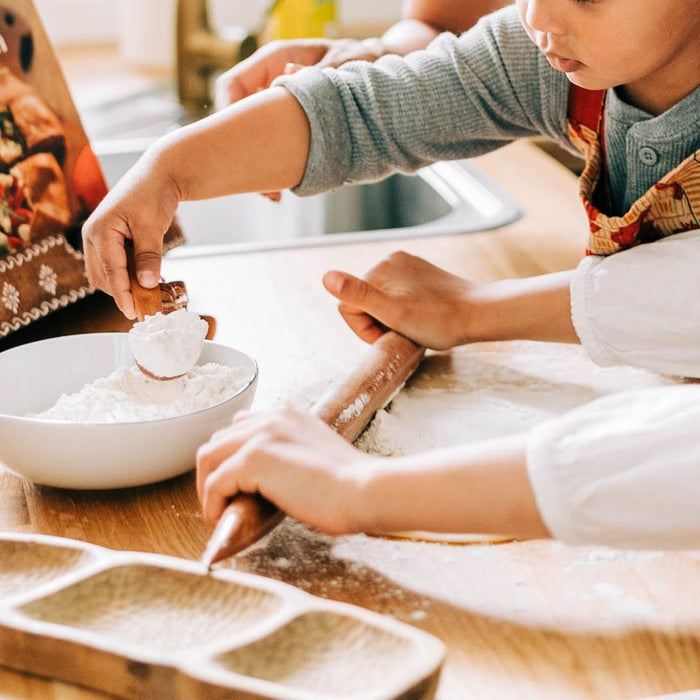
<point>651,47</point>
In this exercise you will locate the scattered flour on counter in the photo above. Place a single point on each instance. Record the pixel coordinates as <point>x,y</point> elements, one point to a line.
<point>129,396</point>
<point>482,392</point>
<point>355,409</point>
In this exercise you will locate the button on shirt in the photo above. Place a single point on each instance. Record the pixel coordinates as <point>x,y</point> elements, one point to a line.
<point>648,155</point>
<point>642,148</point>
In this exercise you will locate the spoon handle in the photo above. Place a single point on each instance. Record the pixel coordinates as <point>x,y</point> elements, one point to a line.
<point>147,302</point>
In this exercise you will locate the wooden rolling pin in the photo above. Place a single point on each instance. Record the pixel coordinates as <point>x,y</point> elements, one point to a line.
<point>347,408</point>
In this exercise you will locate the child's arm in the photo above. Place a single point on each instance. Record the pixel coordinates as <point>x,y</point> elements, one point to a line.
<point>440,310</point>
<point>299,463</point>
<point>641,306</point>
<point>607,304</point>
<point>422,21</point>
<point>258,144</point>
<point>622,471</point>
<point>361,131</point>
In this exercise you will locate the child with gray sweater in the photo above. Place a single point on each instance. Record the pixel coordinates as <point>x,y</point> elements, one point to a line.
<point>617,81</point>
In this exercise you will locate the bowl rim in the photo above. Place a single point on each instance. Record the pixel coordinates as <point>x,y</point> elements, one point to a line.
<point>106,425</point>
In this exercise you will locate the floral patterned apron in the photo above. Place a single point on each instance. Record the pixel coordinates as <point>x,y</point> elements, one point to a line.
<point>671,206</point>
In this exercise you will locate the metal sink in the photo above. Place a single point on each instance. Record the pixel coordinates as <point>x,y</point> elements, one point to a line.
<point>445,198</point>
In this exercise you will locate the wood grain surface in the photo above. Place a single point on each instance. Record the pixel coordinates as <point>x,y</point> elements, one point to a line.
<point>112,621</point>
<point>520,620</point>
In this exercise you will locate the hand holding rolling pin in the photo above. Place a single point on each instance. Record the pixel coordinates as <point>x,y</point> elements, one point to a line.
<point>293,459</point>
<point>409,295</point>
<point>296,461</point>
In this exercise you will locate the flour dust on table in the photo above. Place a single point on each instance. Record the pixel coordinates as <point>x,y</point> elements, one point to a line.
<point>503,388</point>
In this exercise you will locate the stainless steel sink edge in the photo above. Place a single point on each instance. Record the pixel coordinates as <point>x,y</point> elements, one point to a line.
<point>475,202</point>
<point>460,183</point>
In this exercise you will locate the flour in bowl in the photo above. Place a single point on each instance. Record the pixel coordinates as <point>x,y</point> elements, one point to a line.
<point>128,396</point>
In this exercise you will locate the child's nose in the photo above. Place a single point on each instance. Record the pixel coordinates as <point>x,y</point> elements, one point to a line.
<point>547,16</point>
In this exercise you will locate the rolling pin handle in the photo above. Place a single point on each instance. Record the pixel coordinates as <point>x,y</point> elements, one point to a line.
<point>245,520</point>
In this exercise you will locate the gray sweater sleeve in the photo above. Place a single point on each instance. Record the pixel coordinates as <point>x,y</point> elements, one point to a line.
<point>458,98</point>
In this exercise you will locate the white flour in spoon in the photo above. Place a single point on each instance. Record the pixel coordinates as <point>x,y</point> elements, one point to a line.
<point>168,345</point>
<point>128,396</point>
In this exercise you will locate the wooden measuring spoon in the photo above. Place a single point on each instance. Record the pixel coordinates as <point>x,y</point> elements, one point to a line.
<point>347,408</point>
<point>164,298</point>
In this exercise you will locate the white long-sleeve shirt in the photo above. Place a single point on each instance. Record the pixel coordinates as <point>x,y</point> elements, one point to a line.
<point>624,470</point>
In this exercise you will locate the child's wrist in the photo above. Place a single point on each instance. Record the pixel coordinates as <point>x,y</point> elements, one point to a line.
<point>368,494</point>
<point>481,316</point>
<point>163,160</point>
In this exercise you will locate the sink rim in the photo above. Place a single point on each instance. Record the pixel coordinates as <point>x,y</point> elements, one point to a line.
<point>460,183</point>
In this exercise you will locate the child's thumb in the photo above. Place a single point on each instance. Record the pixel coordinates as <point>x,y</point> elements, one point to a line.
<point>147,266</point>
<point>354,291</point>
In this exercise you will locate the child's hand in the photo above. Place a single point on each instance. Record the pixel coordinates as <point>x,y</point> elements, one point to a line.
<point>409,295</point>
<point>284,57</point>
<point>291,458</point>
<point>141,208</point>
<point>267,63</point>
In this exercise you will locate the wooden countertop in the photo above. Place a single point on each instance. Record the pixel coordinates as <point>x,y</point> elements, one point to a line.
<point>521,620</point>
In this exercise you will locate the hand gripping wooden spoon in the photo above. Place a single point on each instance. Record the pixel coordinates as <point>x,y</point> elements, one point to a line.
<point>164,298</point>
<point>348,409</point>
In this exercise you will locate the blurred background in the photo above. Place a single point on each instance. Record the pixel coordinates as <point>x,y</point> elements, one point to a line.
<point>121,58</point>
<point>144,30</point>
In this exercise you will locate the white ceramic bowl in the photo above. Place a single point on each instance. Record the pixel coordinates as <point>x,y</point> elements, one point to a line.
<point>98,455</point>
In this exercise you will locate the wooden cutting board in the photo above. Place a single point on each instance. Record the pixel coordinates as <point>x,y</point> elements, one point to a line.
<point>143,625</point>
